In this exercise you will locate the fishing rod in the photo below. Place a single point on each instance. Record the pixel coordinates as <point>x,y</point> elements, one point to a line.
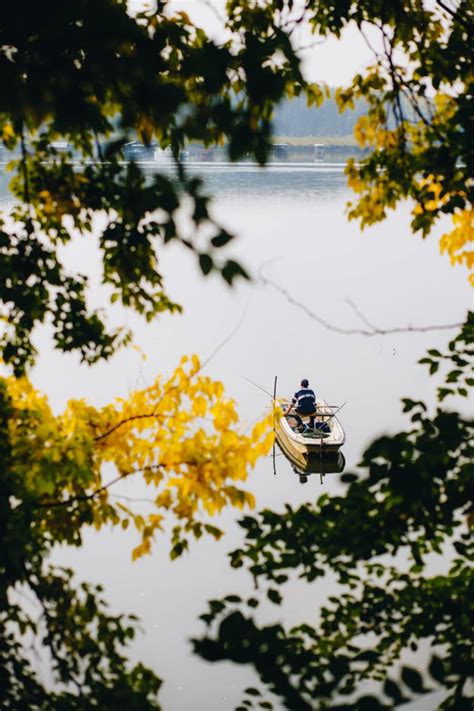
<point>258,386</point>
<point>339,407</point>
<point>330,414</point>
<point>273,397</point>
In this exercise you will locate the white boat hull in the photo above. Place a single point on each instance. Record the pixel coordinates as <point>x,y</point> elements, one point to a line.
<point>306,444</point>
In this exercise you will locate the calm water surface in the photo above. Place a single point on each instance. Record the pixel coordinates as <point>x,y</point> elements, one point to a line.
<point>291,218</point>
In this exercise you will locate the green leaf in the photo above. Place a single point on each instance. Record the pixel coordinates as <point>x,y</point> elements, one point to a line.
<point>222,239</point>
<point>436,669</point>
<point>274,596</point>
<point>206,263</point>
<point>349,478</point>
<point>453,376</point>
<point>412,679</point>
<point>251,691</point>
<point>231,270</point>
<point>391,689</point>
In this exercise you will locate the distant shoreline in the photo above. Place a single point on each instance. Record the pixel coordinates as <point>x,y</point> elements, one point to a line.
<point>347,140</point>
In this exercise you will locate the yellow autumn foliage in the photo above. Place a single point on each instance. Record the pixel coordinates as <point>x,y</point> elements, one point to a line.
<point>180,436</point>
<point>455,242</point>
<point>402,151</point>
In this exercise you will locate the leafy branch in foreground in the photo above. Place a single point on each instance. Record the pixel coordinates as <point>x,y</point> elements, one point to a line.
<point>84,641</point>
<point>458,359</point>
<point>407,514</point>
<point>417,128</point>
<point>93,76</point>
<point>181,438</point>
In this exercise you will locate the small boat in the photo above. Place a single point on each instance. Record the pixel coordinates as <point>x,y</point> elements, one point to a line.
<point>327,437</point>
<point>163,155</point>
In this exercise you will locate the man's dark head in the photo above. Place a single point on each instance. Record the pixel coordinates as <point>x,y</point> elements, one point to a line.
<point>304,383</point>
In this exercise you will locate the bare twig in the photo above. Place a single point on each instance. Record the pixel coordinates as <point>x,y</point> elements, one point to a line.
<point>51,637</point>
<point>400,86</point>
<point>225,341</point>
<point>154,414</point>
<point>367,41</point>
<point>133,499</point>
<point>292,22</point>
<point>132,418</point>
<point>456,15</point>
<point>215,11</point>
<point>362,316</point>
<point>310,45</point>
<point>370,331</point>
<point>397,81</point>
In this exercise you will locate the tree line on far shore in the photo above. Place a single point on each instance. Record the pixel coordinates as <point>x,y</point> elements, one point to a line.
<point>293,117</point>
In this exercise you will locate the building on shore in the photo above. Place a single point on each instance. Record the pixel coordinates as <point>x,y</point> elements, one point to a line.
<point>318,151</point>
<point>280,151</point>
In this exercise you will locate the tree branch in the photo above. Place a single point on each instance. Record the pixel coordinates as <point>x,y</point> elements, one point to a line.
<point>362,316</point>
<point>88,497</point>
<point>374,331</point>
<point>154,414</point>
<point>456,15</point>
<point>108,432</point>
<point>50,637</point>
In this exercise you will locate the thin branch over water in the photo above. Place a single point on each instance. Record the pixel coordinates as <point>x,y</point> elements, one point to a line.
<point>371,329</point>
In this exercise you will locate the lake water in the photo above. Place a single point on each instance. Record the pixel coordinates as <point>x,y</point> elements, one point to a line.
<point>290,218</point>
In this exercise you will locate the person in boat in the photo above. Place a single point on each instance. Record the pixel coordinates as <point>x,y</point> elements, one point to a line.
<point>304,403</point>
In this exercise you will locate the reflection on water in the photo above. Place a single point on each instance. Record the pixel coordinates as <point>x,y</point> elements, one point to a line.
<point>293,180</point>
<point>6,198</point>
<point>226,180</point>
<point>305,466</point>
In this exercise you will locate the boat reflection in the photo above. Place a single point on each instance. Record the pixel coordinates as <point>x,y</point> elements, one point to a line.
<point>306,465</point>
